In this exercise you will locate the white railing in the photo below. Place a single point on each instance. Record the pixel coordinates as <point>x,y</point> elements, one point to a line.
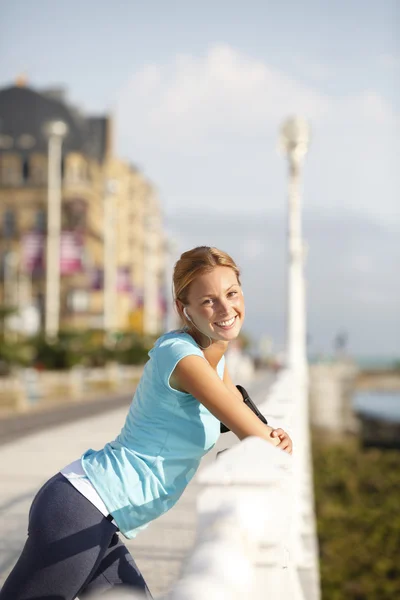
<point>256,535</point>
<point>29,387</point>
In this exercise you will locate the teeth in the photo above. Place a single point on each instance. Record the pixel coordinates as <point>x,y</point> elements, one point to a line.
<point>226,323</point>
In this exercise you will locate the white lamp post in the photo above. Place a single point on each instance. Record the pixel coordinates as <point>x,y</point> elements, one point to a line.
<point>294,140</point>
<point>55,132</point>
<point>171,249</point>
<point>151,265</point>
<point>110,257</point>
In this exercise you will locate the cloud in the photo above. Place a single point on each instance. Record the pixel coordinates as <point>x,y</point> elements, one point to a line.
<point>311,68</point>
<point>227,91</point>
<point>206,128</point>
<point>223,91</point>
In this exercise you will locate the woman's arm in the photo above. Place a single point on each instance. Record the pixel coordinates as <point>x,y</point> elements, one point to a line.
<point>230,385</point>
<point>195,376</point>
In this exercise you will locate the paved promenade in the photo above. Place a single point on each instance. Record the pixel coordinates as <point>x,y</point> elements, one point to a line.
<point>29,461</point>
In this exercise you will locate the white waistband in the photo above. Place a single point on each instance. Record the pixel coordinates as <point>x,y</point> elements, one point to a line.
<point>78,478</point>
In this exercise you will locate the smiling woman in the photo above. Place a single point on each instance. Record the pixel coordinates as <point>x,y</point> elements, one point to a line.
<point>209,295</point>
<point>183,396</point>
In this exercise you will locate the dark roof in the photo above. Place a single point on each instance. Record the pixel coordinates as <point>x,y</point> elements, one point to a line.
<point>97,137</point>
<point>24,111</point>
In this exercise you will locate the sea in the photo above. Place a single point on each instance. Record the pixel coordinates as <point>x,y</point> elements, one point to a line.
<point>383,405</point>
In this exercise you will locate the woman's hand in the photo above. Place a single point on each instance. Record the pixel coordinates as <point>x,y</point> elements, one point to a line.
<point>285,442</point>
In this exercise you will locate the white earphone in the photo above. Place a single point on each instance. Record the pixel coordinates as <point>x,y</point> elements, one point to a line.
<point>194,324</point>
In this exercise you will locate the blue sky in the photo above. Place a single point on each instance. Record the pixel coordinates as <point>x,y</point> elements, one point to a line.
<point>94,46</point>
<point>199,90</point>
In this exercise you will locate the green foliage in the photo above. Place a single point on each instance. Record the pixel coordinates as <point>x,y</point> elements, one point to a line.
<point>357,496</point>
<point>131,349</point>
<point>89,348</point>
<point>56,355</point>
<point>11,351</point>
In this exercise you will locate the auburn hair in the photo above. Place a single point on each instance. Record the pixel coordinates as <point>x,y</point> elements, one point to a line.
<point>196,262</point>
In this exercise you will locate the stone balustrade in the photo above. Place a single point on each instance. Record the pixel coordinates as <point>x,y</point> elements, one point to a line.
<point>29,387</point>
<point>256,534</point>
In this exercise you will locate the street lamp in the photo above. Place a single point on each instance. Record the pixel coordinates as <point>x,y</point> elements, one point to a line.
<point>110,257</point>
<point>55,132</point>
<point>151,265</point>
<point>171,250</point>
<point>294,140</point>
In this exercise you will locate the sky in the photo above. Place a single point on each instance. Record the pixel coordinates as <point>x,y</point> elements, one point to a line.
<point>198,92</point>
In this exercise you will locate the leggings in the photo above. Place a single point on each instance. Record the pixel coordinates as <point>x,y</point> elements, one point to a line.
<point>72,550</point>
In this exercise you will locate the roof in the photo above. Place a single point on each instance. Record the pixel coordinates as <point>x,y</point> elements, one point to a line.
<point>24,111</point>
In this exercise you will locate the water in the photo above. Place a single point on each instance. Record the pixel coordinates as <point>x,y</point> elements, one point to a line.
<point>384,405</point>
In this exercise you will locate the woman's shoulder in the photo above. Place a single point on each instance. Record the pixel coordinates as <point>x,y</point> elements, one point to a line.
<point>170,348</point>
<point>176,343</point>
<point>176,337</point>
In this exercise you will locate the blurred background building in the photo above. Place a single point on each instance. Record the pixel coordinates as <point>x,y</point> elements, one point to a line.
<point>110,272</point>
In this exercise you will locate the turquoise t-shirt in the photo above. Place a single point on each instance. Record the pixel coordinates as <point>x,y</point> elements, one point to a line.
<point>143,472</point>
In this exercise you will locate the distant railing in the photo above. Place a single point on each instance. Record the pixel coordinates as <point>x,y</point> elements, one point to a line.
<point>30,387</point>
<point>256,536</point>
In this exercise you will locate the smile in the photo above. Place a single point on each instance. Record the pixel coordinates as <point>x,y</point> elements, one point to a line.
<point>226,324</point>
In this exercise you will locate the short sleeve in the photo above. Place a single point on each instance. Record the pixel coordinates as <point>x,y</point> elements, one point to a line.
<point>167,355</point>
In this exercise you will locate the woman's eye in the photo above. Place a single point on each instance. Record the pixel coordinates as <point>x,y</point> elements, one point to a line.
<point>233,293</point>
<point>208,301</point>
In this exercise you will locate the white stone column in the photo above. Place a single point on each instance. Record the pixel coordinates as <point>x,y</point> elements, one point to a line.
<point>56,131</point>
<point>110,257</point>
<point>294,137</point>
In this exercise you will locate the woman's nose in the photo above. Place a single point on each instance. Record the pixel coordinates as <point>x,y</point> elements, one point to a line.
<point>223,307</point>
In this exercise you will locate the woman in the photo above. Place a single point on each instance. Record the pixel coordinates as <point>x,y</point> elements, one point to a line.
<point>185,392</point>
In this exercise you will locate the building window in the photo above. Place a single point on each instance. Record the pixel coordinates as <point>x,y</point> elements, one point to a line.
<point>38,169</point>
<point>74,215</point>
<point>9,223</point>
<point>6,141</point>
<point>26,141</point>
<point>10,170</point>
<point>74,173</point>
<point>25,170</point>
<point>41,221</point>
<point>77,170</point>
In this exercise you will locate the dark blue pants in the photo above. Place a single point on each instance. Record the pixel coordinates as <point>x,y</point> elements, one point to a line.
<point>72,550</point>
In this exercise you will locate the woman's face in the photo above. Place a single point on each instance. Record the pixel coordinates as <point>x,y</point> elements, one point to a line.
<point>216,305</point>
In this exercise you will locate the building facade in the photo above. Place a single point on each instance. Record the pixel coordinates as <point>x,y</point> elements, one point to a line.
<point>112,262</point>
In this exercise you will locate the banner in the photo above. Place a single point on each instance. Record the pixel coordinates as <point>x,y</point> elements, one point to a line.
<point>137,299</point>
<point>96,279</point>
<point>33,252</point>
<point>124,279</point>
<point>71,253</point>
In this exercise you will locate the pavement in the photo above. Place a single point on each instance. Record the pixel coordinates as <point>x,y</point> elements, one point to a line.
<point>27,462</point>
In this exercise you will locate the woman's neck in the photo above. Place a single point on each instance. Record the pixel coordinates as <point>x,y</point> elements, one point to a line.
<point>212,352</point>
